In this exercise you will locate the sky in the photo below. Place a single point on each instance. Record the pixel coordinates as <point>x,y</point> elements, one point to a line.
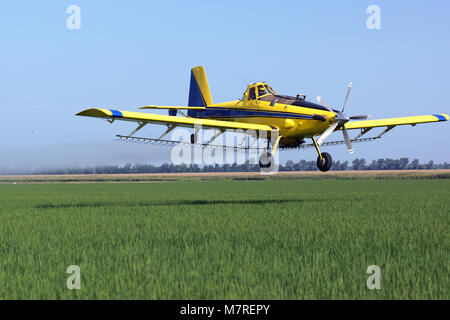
<point>128,54</point>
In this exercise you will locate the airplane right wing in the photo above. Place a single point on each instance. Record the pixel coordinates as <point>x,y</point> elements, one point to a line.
<point>143,118</point>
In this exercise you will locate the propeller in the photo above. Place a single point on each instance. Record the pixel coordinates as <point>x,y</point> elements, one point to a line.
<point>350,86</point>
<point>324,104</point>
<point>348,142</point>
<point>340,120</point>
<point>362,117</point>
<point>326,133</point>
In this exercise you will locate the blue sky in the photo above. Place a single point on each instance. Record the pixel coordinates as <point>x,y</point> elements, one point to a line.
<point>132,53</point>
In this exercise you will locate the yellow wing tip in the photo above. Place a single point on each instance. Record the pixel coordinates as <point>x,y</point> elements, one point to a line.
<point>445,116</point>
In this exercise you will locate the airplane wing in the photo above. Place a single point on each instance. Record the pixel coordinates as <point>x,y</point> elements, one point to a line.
<point>172,107</point>
<point>389,124</point>
<point>144,118</point>
<point>392,122</point>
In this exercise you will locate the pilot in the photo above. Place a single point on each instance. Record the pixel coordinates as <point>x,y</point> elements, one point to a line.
<point>261,91</point>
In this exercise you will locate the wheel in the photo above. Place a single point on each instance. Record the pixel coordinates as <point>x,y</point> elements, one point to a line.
<point>193,138</point>
<point>326,162</point>
<point>265,160</point>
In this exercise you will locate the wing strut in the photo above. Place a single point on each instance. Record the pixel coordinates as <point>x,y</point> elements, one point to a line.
<point>169,128</point>
<point>363,132</point>
<point>389,128</point>
<point>215,136</point>
<point>141,125</point>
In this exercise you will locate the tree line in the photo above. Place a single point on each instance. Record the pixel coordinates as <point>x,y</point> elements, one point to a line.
<point>302,165</point>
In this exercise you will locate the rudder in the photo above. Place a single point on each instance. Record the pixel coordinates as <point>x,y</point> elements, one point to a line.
<point>199,93</point>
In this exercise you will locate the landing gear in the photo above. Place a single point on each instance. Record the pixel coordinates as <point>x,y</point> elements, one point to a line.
<point>324,163</point>
<point>193,138</point>
<point>265,160</point>
<point>324,160</point>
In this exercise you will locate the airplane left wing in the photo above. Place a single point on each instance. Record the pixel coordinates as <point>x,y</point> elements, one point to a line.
<point>144,118</point>
<point>392,122</point>
<point>389,124</point>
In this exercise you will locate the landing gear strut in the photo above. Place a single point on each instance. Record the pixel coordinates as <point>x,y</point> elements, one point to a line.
<point>324,160</point>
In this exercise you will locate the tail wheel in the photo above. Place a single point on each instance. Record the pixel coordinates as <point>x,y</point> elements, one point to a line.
<point>193,138</point>
<point>325,163</point>
<point>265,160</point>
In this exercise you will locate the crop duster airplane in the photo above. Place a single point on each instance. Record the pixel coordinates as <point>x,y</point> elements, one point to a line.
<point>285,121</point>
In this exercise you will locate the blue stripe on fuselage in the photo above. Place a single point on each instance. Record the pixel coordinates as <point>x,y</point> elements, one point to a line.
<point>213,112</point>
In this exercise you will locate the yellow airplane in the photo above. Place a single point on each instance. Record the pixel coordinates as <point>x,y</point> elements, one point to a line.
<point>285,121</point>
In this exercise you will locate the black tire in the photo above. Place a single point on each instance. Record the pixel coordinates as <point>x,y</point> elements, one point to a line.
<point>265,160</point>
<point>193,138</point>
<point>325,164</point>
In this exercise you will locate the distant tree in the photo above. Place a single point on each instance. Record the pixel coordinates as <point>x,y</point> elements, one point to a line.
<point>414,165</point>
<point>290,165</point>
<point>301,165</point>
<point>359,164</point>
<point>403,163</point>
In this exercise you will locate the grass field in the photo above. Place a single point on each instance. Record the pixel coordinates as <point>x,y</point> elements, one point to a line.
<point>226,239</point>
<point>160,177</point>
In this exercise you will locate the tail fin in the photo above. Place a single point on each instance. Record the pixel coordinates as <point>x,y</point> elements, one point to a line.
<point>199,94</point>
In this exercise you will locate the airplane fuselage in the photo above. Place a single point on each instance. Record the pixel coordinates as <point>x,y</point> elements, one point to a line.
<point>294,122</point>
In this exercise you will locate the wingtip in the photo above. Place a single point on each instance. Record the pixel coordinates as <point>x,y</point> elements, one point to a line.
<point>93,112</point>
<point>147,107</point>
<point>441,117</point>
<point>83,113</point>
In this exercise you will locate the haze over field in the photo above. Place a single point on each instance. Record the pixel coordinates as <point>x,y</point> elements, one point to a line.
<point>77,155</point>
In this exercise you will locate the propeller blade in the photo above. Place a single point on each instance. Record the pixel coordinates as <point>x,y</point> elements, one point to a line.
<point>323,103</point>
<point>350,85</point>
<point>348,142</point>
<point>326,133</point>
<point>361,117</point>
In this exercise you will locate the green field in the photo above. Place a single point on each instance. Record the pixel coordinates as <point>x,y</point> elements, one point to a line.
<point>226,239</point>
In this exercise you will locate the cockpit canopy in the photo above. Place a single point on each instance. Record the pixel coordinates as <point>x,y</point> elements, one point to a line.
<point>259,90</point>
